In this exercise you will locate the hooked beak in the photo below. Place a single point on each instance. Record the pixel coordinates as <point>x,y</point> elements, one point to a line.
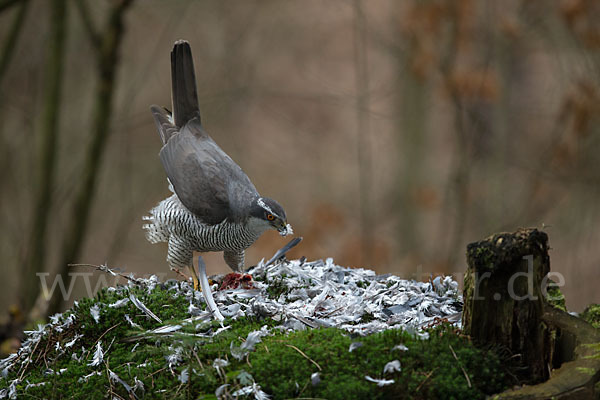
<point>285,229</point>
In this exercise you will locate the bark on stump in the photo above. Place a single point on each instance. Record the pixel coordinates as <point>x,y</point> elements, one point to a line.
<point>578,377</point>
<point>505,304</point>
<point>503,294</point>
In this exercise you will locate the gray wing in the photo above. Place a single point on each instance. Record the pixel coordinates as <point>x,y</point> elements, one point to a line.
<point>206,180</point>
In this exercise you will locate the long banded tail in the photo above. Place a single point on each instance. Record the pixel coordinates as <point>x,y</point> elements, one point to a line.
<point>183,79</point>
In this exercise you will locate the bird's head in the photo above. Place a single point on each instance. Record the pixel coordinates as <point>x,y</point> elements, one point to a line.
<point>271,215</point>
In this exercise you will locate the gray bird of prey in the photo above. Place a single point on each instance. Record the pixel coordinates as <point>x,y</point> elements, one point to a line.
<point>214,206</point>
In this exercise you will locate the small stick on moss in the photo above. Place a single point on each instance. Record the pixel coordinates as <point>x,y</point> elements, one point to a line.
<point>45,353</point>
<point>28,361</point>
<point>302,391</point>
<point>101,336</point>
<point>460,365</point>
<point>198,359</point>
<point>156,372</point>
<point>425,380</point>
<point>178,389</point>
<point>305,356</point>
<point>105,268</point>
<point>110,386</point>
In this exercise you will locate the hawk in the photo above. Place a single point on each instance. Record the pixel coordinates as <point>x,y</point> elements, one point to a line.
<point>214,206</point>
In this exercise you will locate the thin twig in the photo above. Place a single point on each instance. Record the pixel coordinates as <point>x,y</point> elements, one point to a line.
<point>88,23</point>
<point>110,387</point>
<point>101,336</point>
<point>112,392</point>
<point>178,272</point>
<point>426,378</point>
<point>156,372</point>
<point>104,268</point>
<point>28,361</point>
<point>198,359</point>
<point>460,365</point>
<point>12,38</point>
<point>305,356</point>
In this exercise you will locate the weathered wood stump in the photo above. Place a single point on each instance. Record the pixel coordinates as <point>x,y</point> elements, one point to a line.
<point>504,300</point>
<point>579,374</point>
<point>506,305</point>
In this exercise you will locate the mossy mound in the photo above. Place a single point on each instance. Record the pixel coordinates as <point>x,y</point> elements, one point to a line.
<point>185,358</point>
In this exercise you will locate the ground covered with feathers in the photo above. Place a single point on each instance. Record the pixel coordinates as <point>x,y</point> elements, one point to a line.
<point>305,330</point>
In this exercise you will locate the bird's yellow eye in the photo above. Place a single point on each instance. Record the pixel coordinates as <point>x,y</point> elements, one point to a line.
<point>270,217</point>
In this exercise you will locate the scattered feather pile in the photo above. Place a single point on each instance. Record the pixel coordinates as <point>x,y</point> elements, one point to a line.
<point>320,293</point>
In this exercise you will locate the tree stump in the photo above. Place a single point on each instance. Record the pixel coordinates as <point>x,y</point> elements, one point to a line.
<point>504,293</point>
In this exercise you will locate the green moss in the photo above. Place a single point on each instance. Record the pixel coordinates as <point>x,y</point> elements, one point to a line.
<point>555,297</point>
<point>429,369</point>
<point>281,364</point>
<point>366,317</point>
<point>587,371</point>
<point>362,284</point>
<point>483,256</point>
<point>277,288</point>
<point>592,315</point>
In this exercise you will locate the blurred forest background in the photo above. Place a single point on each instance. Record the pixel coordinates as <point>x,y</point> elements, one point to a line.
<point>393,132</point>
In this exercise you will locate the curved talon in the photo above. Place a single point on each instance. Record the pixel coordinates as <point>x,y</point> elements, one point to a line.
<point>195,280</point>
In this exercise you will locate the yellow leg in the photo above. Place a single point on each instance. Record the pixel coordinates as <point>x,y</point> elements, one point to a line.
<point>195,277</point>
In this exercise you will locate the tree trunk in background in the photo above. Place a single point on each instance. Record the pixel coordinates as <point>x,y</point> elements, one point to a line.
<point>413,102</point>
<point>361,65</point>
<point>50,124</point>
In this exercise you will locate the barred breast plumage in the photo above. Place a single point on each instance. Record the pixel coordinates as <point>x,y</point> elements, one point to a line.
<point>185,233</point>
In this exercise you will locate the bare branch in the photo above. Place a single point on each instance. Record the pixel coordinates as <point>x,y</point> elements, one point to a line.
<point>88,23</point>
<point>12,38</point>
